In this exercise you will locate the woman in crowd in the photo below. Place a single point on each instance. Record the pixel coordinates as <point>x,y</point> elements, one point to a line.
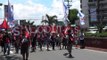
<point>25,43</point>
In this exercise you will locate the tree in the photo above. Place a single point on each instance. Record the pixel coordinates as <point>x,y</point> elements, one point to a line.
<point>23,22</point>
<point>52,19</point>
<point>44,21</point>
<point>60,23</point>
<point>29,23</point>
<point>72,16</point>
<point>100,27</point>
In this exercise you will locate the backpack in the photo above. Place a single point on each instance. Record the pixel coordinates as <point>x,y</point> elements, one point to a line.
<point>24,40</point>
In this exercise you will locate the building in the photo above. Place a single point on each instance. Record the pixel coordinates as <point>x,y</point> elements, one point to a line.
<point>84,9</point>
<point>96,12</point>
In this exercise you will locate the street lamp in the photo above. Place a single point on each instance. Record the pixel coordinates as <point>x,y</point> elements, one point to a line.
<point>68,3</point>
<point>1,4</point>
<point>68,6</point>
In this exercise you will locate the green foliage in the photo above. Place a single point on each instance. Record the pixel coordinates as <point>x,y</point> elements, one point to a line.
<point>100,27</point>
<point>44,21</point>
<point>103,34</point>
<point>73,16</point>
<point>29,23</point>
<point>89,34</point>
<point>51,19</point>
<point>61,23</point>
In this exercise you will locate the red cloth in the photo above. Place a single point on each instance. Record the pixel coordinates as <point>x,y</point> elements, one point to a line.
<point>4,24</point>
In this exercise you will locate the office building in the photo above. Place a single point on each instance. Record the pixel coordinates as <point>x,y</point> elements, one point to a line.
<point>95,12</point>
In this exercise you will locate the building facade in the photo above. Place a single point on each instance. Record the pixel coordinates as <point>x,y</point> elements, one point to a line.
<point>84,9</point>
<point>96,12</point>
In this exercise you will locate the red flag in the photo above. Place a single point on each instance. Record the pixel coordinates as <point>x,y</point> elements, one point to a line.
<point>5,24</point>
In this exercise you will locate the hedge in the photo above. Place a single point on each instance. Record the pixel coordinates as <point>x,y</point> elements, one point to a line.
<point>103,34</point>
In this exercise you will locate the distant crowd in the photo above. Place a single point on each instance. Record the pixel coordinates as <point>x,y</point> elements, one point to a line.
<point>23,42</point>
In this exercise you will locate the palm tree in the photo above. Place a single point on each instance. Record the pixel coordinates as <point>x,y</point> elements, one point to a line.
<point>52,19</point>
<point>44,21</point>
<point>30,23</point>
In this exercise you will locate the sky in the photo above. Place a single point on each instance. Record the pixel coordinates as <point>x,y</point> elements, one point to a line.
<point>35,9</point>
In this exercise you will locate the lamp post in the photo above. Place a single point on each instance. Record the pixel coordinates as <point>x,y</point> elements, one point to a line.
<point>1,4</point>
<point>68,5</point>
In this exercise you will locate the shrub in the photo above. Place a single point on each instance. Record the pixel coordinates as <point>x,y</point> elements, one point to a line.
<point>103,34</point>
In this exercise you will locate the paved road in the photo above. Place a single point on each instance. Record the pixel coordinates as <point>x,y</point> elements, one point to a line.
<point>79,54</point>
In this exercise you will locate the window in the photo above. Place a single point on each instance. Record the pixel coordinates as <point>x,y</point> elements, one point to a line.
<point>93,14</point>
<point>92,0</point>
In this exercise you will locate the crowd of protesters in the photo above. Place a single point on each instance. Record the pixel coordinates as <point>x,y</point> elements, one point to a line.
<point>23,42</point>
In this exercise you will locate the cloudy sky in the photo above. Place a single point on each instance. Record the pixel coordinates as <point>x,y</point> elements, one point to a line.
<point>35,9</point>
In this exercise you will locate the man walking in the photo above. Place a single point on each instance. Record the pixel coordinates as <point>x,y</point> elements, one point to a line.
<point>70,41</point>
<point>6,42</point>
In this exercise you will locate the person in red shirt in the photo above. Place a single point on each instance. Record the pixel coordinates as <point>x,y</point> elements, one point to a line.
<point>6,42</point>
<point>70,41</point>
<point>25,43</point>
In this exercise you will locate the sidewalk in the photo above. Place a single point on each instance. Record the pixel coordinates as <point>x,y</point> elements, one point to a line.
<point>98,49</point>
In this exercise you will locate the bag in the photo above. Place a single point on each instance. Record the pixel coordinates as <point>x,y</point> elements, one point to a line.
<point>24,40</point>
<point>25,43</point>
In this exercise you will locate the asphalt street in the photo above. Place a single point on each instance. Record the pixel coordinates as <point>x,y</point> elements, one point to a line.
<point>78,54</point>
